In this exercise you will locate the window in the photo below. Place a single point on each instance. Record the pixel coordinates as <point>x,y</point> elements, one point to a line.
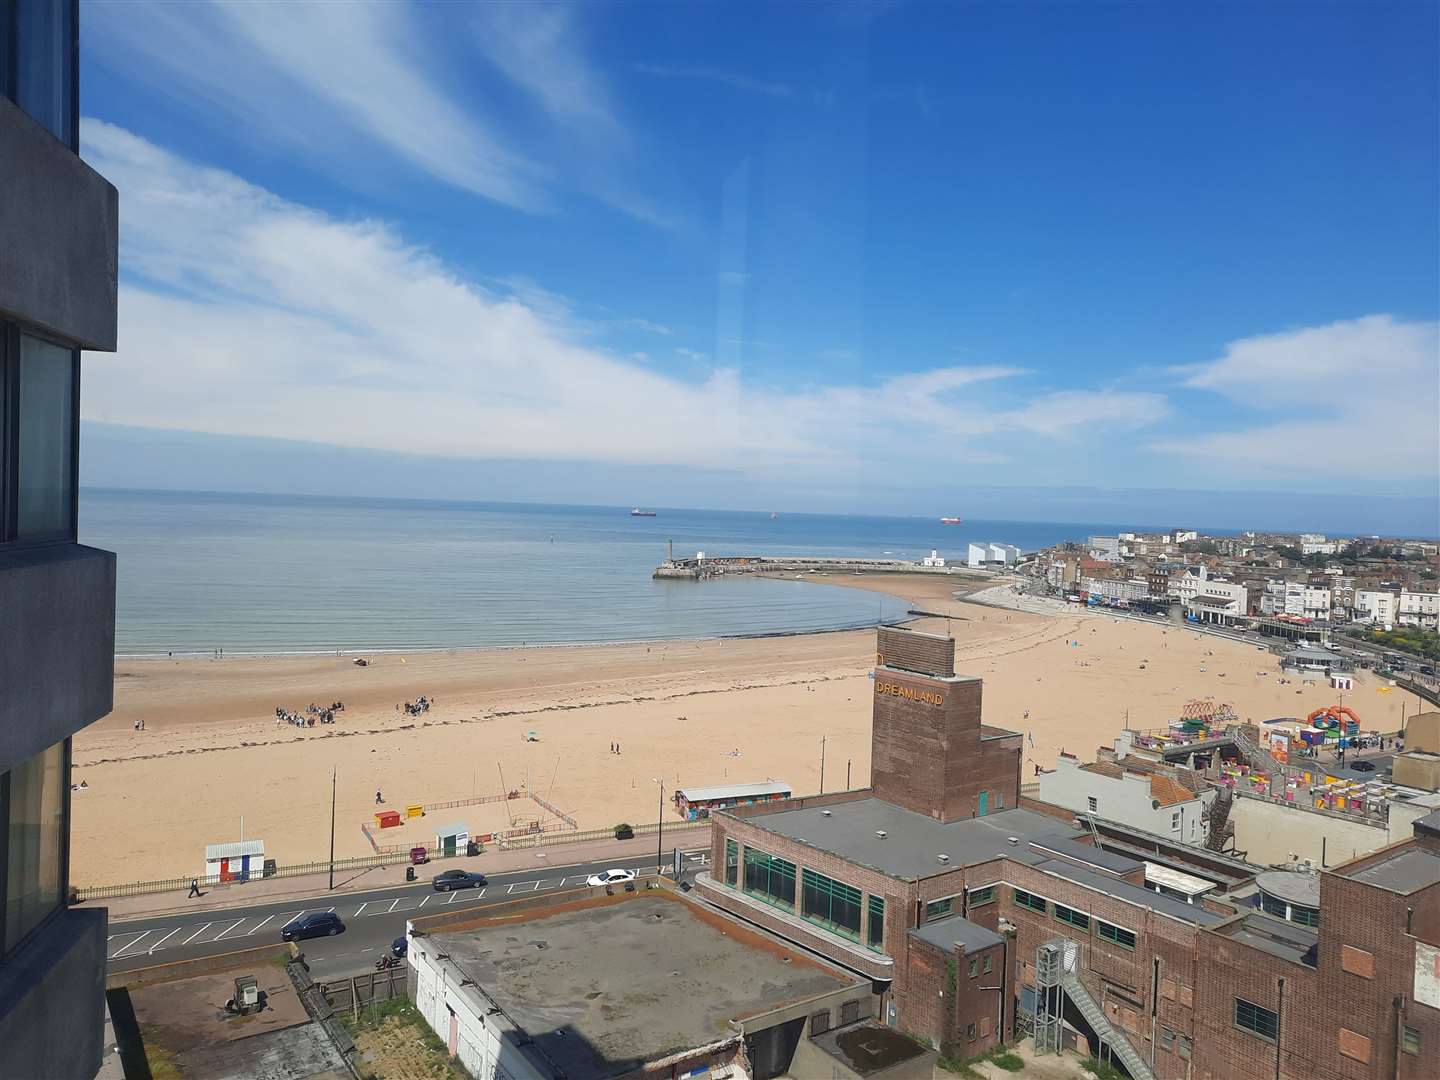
<point>32,801</point>
<point>832,904</point>
<point>875,930</point>
<point>999,800</point>
<point>1167,1039</point>
<point>1186,1046</point>
<point>985,895</point>
<point>1093,803</point>
<point>1271,905</point>
<point>988,964</point>
<point>1410,1039</point>
<point>974,966</point>
<point>1030,900</point>
<point>770,879</point>
<point>1305,916</point>
<point>1175,822</point>
<point>38,382</point>
<point>819,1023</point>
<point>937,908</point>
<point>1077,919</point>
<point>44,73</point>
<point>1120,936</point>
<point>732,862</point>
<point>970,1032</point>
<point>1253,1018</point>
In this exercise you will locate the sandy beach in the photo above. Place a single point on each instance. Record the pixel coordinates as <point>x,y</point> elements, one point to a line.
<point>688,713</point>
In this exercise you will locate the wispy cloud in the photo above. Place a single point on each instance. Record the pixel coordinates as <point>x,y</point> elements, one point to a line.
<point>342,82</point>
<point>646,326</point>
<point>1355,398</point>
<point>247,314</point>
<point>731,79</point>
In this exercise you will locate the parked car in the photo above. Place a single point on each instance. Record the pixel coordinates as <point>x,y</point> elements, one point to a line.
<point>316,924</point>
<point>457,879</point>
<point>611,877</point>
<point>400,946</point>
<point>1363,766</point>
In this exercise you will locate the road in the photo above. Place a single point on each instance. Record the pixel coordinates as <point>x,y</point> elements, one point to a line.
<point>372,919</point>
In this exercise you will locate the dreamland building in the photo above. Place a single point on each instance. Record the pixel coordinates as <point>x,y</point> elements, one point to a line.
<point>979,915</point>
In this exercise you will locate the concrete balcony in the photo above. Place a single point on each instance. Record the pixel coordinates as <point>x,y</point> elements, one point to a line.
<point>59,236</point>
<point>52,998</point>
<point>839,950</point>
<point>57,645</point>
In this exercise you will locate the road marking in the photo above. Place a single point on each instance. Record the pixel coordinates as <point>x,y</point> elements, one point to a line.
<point>480,897</point>
<point>392,905</point>
<point>166,938</point>
<point>129,945</point>
<point>328,910</point>
<point>427,899</point>
<point>197,933</point>
<point>362,908</point>
<point>257,926</point>
<point>510,888</point>
<point>453,897</point>
<point>227,929</point>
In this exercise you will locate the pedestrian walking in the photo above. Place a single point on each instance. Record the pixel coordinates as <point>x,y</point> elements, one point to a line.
<point>194,888</point>
<point>378,798</point>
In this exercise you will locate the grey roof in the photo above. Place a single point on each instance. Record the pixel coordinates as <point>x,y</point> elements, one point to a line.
<point>913,842</point>
<point>1430,821</point>
<point>235,850</point>
<point>1137,895</point>
<point>1287,940</point>
<point>955,930</point>
<point>1403,872</point>
<point>1071,849</point>
<point>1294,886</point>
<point>1313,652</point>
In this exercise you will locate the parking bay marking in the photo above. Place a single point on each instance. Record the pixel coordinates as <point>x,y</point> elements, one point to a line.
<point>129,945</point>
<point>232,926</point>
<point>166,938</point>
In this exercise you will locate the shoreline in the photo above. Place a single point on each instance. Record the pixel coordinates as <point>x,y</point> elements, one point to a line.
<point>685,712</point>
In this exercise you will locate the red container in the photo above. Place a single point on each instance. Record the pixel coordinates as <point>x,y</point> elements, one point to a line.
<point>389,819</point>
<point>419,855</point>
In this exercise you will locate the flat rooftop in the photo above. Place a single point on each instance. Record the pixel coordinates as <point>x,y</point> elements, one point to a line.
<point>955,930</point>
<point>1287,940</point>
<point>1403,872</point>
<point>912,842</point>
<point>868,1047</point>
<point>608,986</point>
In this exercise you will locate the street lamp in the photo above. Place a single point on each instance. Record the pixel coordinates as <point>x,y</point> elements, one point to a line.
<point>660,828</point>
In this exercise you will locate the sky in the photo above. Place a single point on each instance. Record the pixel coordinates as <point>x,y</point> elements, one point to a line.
<point>858,257</point>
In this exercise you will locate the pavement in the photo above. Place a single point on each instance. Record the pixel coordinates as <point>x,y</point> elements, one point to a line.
<point>494,860</point>
<point>373,916</point>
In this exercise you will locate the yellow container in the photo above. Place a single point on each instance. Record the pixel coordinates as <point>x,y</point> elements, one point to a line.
<point>415,810</point>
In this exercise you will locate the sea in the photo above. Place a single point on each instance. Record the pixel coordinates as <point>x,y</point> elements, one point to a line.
<point>274,574</point>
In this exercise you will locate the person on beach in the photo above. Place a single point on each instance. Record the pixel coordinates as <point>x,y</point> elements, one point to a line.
<point>378,798</point>
<point>194,888</point>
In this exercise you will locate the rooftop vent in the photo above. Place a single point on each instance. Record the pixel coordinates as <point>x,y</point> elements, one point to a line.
<point>880,833</point>
<point>943,858</point>
<point>1013,839</point>
<point>824,813</point>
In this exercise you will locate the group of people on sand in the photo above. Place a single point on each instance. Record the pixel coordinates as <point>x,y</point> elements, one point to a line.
<point>415,708</point>
<point>325,714</point>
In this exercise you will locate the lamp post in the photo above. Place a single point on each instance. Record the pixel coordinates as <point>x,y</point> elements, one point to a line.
<point>660,828</point>
<point>332,829</point>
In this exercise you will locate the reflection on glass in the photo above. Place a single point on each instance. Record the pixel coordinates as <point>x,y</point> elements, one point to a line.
<point>43,56</point>
<point>47,374</point>
<point>32,871</point>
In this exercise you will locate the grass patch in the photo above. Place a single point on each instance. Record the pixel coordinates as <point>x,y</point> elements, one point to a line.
<point>999,1056</point>
<point>372,1016</point>
<point>397,1044</point>
<point>1102,1070</point>
<point>161,1062</point>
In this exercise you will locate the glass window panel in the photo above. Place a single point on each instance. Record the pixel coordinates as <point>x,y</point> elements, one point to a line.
<point>35,835</point>
<point>876,936</point>
<point>46,440</point>
<point>833,904</point>
<point>732,862</point>
<point>1252,1017</point>
<point>981,896</point>
<point>937,908</point>
<point>43,59</point>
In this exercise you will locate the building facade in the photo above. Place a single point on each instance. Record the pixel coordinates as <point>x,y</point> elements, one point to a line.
<point>1418,609</point>
<point>58,273</point>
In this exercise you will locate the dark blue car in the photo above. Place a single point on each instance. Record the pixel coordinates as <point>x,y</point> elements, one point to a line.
<point>319,924</point>
<point>399,947</point>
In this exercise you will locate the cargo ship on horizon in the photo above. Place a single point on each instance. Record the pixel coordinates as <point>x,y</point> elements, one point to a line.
<point>949,521</point>
<point>637,512</point>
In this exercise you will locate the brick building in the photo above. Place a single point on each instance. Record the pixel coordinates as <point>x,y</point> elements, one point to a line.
<point>975,915</point>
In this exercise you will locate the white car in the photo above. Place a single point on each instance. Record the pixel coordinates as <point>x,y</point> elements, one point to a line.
<point>611,877</point>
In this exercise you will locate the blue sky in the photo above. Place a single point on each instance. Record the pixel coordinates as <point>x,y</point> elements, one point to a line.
<point>845,256</point>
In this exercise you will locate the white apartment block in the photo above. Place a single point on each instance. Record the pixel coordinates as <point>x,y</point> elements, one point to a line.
<point>1315,602</point>
<point>1376,606</point>
<point>1418,609</point>
<point>1115,588</point>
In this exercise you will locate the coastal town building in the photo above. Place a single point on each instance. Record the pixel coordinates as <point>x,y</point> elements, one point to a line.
<point>1129,791</point>
<point>1418,609</point>
<point>58,251</point>
<point>974,918</point>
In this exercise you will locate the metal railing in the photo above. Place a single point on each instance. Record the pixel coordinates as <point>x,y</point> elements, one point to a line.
<point>366,862</point>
